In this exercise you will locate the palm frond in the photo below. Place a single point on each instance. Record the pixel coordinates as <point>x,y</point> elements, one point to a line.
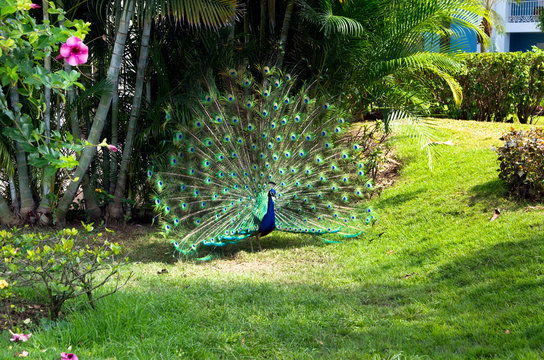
<point>210,13</point>
<point>6,159</point>
<point>415,127</point>
<point>329,22</point>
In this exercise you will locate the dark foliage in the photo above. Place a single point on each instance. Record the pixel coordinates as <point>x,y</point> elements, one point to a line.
<point>522,162</point>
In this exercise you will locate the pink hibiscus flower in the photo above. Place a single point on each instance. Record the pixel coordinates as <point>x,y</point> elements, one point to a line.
<point>35,6</point>
<point>74,51</point>
<point>20,337</point>
<point>113,148</point>
<point>67,356</point>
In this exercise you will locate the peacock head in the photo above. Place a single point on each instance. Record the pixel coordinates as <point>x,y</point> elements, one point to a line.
<point>272,192</point>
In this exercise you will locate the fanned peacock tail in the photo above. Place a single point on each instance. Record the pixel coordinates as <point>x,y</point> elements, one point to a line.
<point>242,143</point>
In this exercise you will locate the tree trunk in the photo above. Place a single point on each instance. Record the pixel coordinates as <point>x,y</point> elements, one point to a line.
<point>488,30</point>
<point>27,201</point>
<point>285,30</point>
<point>114,136</point>
<point>101,113</point>
<point>262,33</point>
<point>89,196</point>
<point>272,16</point>
<point>91,204</point>
<point>13,193</point>
<point>246,28</point>
<point>44,209</point>
<point>116,209</point>
<point>6,216</point>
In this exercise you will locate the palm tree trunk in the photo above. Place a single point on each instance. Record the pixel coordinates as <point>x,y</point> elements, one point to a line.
<point>114,136</point>
<point>27,201</point>
<point>101,113</point>
<point>285,30</point>
<point>91,204</point>
<point>13,193</point>
<point>262,33</point>
<point>488,30</point>
<point>6,216</point>
<point>116,209</point>
<point>44,209</point>
<point>246,28</point>
<point>272,16</point>
<point>148,91</point>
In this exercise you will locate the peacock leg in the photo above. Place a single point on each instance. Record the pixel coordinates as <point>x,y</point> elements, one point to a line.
<point>259,242</point>
<point>251,243</point>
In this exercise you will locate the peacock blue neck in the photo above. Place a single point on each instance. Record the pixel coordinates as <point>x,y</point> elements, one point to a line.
<point>268,224</point>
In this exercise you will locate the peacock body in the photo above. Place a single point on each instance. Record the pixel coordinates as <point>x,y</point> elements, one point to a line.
<point>257,158</point>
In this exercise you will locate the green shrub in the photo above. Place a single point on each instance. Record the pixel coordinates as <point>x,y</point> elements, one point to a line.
<point>60,267</point>
<point>522,162</point>
<point>496,86</point>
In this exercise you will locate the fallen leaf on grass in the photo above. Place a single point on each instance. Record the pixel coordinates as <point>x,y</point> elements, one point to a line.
<point>495,215</point>
<point>407,275</point>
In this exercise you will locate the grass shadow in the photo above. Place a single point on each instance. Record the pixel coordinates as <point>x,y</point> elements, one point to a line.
<point>399,199</point>
<point>494,193</point>
<point>155,249</point>
<point>459,310</point>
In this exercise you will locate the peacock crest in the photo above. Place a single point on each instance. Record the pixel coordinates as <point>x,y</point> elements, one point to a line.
<point>260,156</point>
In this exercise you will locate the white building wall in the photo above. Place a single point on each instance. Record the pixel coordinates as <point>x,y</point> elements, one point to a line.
<point>501,42</point>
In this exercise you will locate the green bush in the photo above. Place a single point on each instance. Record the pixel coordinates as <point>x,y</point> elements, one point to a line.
<point>59,267</point>
<point>496,86</point>
<point>522,162</point>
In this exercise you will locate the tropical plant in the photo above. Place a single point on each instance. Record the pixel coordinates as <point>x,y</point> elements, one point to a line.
<point>24,46</point>
<point>521,162</point>
<point>211,14</point>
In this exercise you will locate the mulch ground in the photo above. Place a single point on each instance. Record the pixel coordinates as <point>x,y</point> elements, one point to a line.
<point>20,314</point>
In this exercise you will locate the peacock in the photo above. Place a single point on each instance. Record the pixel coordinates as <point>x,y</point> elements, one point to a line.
<point>261,156</point>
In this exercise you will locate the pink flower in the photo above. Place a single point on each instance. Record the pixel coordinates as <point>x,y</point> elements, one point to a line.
<point>23,353</point>
<point>74,51</point>
<point>67,356</point>
<point>35,6</point>
<point>113,148</point>
<point>20,337</point>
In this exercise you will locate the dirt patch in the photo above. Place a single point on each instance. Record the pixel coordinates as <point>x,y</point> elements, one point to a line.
<point>20,314</point>
<point>388,173</point>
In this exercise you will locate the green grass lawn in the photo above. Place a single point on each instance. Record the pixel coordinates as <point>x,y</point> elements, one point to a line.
<point>441,282</point>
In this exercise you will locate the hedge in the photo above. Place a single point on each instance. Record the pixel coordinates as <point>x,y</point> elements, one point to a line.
<point>496,86</point>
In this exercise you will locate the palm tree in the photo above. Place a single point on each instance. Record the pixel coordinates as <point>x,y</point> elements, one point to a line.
<point>494,21</point>
<point>399,40</point>
<point>210,14</point>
